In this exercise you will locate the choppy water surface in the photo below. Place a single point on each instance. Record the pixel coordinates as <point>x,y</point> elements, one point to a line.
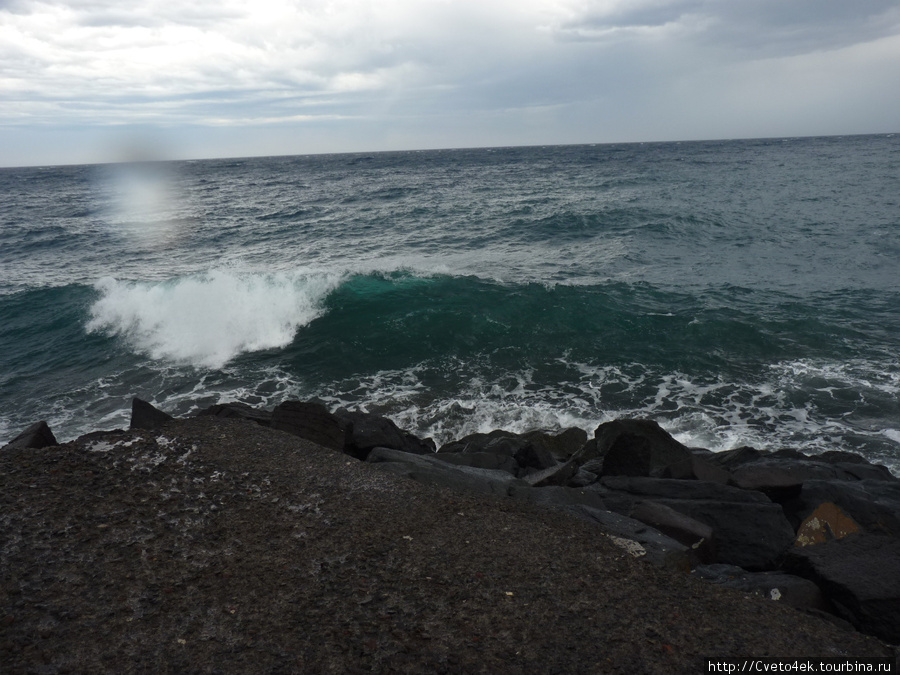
<point>740,292</point>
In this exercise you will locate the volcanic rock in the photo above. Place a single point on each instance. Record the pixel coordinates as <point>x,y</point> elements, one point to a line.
<point>238,410</point>
<point>749,530</point>
<point>477,442</point>
<point>708,471</point>
<point>369,431</point>
<point>145,416</point>
<point>313,422</point>
<point>534,456</point>
<point>638,539</point>
<point>778,586</point>
<point>777,475</point>
<point>429,470</point>
<point>697,536</point>
<point>561,445</point>
<point>860,575</point>
<point>749,534</point>
<point>38,435</point>
<point>225,546</point>
<point>480,460</point>
<point>730,459</point>
<point>641,448</point>
<point>681,489</point>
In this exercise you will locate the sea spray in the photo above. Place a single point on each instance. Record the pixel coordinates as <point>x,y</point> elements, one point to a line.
<point>209,319</point>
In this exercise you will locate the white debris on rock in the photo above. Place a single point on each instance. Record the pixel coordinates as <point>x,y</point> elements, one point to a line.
<point>101,446</point>
<point>629,545</point>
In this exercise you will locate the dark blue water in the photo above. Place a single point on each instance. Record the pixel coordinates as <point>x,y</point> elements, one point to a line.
<point>739,292</point>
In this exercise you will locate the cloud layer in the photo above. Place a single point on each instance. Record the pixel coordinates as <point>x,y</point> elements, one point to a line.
<point>356,74</point>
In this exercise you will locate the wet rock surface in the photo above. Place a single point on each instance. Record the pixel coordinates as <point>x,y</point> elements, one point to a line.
<point>218,543</point>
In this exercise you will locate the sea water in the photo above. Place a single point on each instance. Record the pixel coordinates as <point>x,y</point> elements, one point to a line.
<point>737,292</point>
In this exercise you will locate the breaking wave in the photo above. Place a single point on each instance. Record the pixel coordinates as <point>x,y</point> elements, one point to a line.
<point>206,320</point>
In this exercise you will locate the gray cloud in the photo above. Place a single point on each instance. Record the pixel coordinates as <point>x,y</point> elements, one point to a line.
<point>342,74</point>
<point>773,27</point>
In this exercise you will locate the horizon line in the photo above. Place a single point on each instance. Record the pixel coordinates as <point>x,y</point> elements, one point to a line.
<point>438,149</point>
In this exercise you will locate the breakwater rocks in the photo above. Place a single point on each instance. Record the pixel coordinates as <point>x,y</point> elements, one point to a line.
<point>819,533</point>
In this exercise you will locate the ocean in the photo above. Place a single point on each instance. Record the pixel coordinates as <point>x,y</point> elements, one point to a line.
<point>739,292</point>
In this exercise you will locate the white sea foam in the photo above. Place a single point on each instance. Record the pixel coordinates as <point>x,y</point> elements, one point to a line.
<point>779,411</point>
<point>207,320</point>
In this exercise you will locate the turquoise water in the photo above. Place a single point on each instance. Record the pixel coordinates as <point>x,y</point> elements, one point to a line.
<point>738,292</point>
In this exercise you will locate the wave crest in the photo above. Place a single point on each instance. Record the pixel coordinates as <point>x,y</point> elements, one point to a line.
<point>207,320</point>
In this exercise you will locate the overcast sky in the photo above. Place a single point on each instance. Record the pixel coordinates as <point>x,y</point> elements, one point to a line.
<point>95,80</point>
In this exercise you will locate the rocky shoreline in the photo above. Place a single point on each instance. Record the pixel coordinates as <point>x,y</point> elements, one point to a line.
<point>239,497</point>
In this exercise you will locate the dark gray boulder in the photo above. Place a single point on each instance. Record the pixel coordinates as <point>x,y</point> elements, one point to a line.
<point>693,539</point>
<point>480,460</point>
<point>730,459</point>
<point>615,500</point>
<point>38,435</point>
<point>594,465</point>
<point>534,456</point>
<point>509,446</point>
<point>561,445</point>
<point>588,457</point>
<point>313,422</point>
<point>698,537</point>
<point>778,475</point>
<point>560,474</point>
<point>860,576</point>
<point>536,450</point>
<point>237,410</point>
<point>787,468</point>
<point>430,470</point>
<point>785,453</point>
<point>752,535</point>
<point>707,470</point>
<point>369,431</point>
<point>857,465</point>
<point>145,416</point>
<point>779,586</point>
<point>866,471</point>
<point>841,456</point>
<point>633,536</point>
<point>558,496</point>
<point>641,448</point>
<point>681,489</point>
<point>531,452</point>
<point>476,442</point>
<point>637,539</point>
<point>582,478</point>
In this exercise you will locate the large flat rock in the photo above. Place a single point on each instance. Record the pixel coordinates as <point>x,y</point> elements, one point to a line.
<point>860,574</point>
<point>751,535</point>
